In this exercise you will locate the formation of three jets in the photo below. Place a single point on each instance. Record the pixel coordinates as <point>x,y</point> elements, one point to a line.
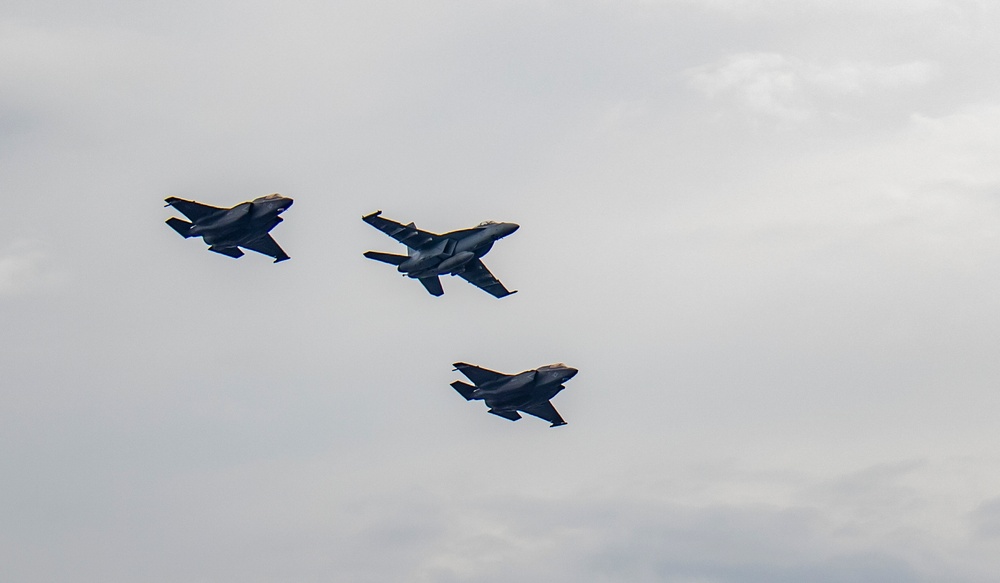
<point>429,256</point>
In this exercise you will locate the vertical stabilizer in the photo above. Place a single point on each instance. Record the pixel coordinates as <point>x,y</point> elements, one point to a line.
<point>433,285</point>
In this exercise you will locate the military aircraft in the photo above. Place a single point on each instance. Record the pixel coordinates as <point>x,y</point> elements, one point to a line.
<point>226,230</point>
<point>505,395</point>
<point>455,253</point>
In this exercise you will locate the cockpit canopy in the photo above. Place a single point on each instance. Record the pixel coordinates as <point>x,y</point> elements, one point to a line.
<point>556,365</point>
<point>487,223</point>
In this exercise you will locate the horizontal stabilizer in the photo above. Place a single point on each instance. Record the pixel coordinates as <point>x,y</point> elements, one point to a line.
<point>512,415</point>
<point>390,258</point>
<point>464,389</point>
<point>180,225</point>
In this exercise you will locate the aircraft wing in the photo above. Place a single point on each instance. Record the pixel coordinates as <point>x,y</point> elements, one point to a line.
<point>545,411</point>
<point>477,274</point>
<point>408,235</point>
<point>477,374</point>
<point>194,211</point>
<point>266,245</point>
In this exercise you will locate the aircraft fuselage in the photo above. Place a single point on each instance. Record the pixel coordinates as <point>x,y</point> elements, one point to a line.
<point>452,254</point>
<point>524,389</point>
<point>241,224</point>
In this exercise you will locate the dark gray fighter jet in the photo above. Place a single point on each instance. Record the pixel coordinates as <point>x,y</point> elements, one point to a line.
<point>505,394</point>
<point>455,253</point>
<point>226,230</point>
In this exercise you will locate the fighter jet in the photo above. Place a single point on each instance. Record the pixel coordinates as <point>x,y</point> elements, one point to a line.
<point>226,230</point>
<point>505,395</point>
<point>455,253</point>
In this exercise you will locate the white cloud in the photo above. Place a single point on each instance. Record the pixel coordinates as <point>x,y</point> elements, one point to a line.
<point>793,90</point>
<point>762,83</point>
<point>958,147</point>
<point>858,78</point>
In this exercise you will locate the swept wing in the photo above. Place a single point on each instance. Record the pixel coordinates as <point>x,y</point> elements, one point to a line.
<point>194,211</point>
<point>266,245</point>
<point>477,274</point>
<point>477,374</point>
<point>547,412</point>
<point>408,235</point>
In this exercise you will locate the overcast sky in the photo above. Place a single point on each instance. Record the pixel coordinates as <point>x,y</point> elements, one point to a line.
<point>765,231</point>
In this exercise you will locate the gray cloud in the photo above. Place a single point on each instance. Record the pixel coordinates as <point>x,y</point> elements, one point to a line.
<point>784,331</point>
<point>24,268</point>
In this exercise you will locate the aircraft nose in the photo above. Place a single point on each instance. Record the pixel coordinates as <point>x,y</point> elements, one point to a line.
<point>508,228</point>
<point>569,372</point>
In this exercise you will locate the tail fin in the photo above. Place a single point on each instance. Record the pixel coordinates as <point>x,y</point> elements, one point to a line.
<point>464,389</point>
<point>410,250</point>
<point>389,258</point>
<point>179,225</point>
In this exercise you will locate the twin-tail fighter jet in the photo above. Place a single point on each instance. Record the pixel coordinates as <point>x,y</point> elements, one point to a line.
<point>226,230</point>
<point>529,392</point>
<point>455,253</point>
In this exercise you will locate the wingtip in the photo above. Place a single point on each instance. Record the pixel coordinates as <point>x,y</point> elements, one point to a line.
<point>372,215</point>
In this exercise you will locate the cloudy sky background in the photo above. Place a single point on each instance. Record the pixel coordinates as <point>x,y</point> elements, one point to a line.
<point>764,230</point>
